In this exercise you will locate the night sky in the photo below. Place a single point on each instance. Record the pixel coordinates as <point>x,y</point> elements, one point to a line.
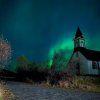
<point>38,28</point>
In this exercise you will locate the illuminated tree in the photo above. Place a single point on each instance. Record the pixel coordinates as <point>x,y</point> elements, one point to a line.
<point>22,63</point>
<point>5,52</point>
<point>59,61</point>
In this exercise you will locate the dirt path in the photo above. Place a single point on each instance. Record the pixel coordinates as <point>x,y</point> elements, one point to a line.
<point>26,91</point>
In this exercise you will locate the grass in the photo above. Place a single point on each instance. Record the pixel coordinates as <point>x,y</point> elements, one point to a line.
<point>97,88</point>
<point>1,98</point>
<point>86,83</point>
<point>83,83</point>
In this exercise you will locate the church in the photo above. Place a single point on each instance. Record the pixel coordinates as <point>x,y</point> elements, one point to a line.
<point>83,61</point>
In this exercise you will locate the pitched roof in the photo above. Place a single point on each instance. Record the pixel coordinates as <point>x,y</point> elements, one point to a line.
<point>78,33</point>
<point>89,54</point>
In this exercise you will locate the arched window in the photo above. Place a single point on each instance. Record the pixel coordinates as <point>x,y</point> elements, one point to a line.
<point>82,43</point>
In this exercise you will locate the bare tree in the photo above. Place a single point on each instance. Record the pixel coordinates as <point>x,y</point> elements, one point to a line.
<point>59,62</point>
<point>5,52</point>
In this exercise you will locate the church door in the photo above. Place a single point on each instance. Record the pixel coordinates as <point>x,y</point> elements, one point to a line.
<point>78,69</point>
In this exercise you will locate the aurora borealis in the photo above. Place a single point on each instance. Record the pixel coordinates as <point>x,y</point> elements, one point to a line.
<point>38,28</point>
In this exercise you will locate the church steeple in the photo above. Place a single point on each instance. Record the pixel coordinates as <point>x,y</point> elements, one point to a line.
<point>79,39</point>
<point>78,33</point>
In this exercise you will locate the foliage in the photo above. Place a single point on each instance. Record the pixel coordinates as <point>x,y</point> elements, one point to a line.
<point>59,62</point>
<point>34,71</point>
<point>22,63</point>
<point>5,93</point>
<point>5,52</point>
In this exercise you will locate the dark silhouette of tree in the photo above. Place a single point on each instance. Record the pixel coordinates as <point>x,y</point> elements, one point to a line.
<point>58,66</point>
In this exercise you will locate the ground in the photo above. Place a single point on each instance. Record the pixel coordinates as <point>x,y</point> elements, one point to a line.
<point>25,91</point>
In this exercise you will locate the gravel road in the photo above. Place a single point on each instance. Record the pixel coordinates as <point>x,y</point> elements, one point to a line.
<point>26,91</point>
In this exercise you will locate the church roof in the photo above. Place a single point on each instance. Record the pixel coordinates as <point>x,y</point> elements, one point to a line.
<point>78,33</point>
<point>89,54</point>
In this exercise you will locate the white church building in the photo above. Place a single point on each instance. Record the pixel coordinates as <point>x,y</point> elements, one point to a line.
<point>83,61</point>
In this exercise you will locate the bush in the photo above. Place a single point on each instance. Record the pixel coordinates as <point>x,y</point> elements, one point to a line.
<point>5,93</point>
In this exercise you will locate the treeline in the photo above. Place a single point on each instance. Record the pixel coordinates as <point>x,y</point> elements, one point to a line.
<point>39,72</point>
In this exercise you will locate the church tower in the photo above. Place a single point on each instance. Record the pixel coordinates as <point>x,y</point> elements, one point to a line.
<point>79,40</point>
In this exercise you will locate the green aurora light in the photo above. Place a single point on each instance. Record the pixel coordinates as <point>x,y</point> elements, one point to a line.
<point>66,44</point>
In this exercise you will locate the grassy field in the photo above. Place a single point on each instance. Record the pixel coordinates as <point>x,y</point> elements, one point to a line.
<point>88,83</point>
<point>84,83</point>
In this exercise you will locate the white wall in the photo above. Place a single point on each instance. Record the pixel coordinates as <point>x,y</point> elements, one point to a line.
<point>83,64</point>
<point>82,61</point>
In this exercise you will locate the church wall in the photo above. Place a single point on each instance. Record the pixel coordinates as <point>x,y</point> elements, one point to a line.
<point>83,63</point>
<point>84,69</point>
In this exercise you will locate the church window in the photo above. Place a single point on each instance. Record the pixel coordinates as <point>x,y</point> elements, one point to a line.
<point>81,42</point>
<point>94,65</point>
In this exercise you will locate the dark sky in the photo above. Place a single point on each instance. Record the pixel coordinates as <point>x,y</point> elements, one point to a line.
<point>37,28</point>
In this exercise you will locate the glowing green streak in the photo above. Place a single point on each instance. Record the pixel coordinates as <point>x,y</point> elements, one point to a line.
<point>64,45</point>
<point>50,63</point>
